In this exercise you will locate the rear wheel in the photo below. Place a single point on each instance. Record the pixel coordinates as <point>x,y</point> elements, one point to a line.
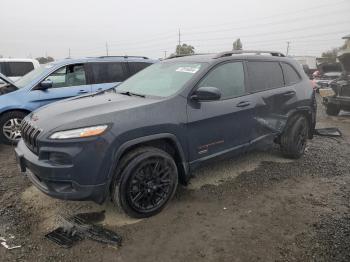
<point>332,110</point>
<point>147,181</point>
<point>294,138</point>
<point>10,127</point>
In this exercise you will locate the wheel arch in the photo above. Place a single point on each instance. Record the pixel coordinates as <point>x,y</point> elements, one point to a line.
<point>304,111</point>
<point>26,111</point>
<point>165,141</point>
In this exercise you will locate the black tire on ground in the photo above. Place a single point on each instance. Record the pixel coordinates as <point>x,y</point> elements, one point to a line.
<point>145,181</point>
<point>294,138</point>
<point>332,110</point>
<point>9,135</point>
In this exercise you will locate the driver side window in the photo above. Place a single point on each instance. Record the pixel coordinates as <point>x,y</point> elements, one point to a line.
<point>228,78</point>
<point>71,75</point>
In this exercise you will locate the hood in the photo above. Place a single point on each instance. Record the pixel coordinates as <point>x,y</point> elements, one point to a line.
<point>345,62</point>
<point>8,86</point>
<point>7,80</point>
<point>329,67</point>
<point>86,110</point>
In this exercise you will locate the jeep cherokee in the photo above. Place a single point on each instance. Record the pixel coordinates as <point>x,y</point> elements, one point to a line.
<point>135,143</point>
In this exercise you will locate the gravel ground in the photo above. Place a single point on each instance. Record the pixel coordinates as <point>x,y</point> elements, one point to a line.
<point>259,207</point>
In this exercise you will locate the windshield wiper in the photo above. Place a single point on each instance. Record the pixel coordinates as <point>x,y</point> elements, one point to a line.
<point>128,93</point>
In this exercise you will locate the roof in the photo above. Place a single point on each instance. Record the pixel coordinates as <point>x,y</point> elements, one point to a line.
<point>346,37</point>
<point>104,59</point>
<point>229,55</point>
<point>17,60</point>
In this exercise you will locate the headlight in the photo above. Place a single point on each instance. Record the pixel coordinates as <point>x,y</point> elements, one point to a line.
<point>80,132</point>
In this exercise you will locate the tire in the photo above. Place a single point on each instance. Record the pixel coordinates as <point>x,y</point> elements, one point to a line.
<point>141,188</point>
<point>294,138</point>
<point>332,110</point>
<point>10,124</point>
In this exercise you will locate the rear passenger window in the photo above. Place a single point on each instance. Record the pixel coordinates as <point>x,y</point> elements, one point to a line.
<point>137,66</point>
<point>290,75</point>
<point>108,72</point>
<point>19,68</point>
<point>264,76</point>
<point>228,78</point>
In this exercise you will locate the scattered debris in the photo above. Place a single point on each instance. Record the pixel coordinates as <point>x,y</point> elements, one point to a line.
<point>81,226</point>
<point>331,131</point>
<point>225,208</point>
<point>6,245</point>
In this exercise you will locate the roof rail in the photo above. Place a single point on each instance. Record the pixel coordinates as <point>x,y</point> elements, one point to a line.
<point>176,56</point>
<point>257,52</point>
<point>124,56</point>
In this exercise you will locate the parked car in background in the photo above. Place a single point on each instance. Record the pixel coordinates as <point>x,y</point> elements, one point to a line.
<point>60,80</point>
<point>339,99</point>
<point>15,68</point>
<point>134,144</point>
<point>327,72</point>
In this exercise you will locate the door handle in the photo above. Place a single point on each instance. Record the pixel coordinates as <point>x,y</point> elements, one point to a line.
<point>289,93</point>
<point>243,104</point>
<point>83,92</point>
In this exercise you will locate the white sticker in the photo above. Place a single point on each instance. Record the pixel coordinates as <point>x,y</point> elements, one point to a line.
<point>187,69</point>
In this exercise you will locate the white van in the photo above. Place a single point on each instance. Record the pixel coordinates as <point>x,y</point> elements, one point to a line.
<point>15,68</point>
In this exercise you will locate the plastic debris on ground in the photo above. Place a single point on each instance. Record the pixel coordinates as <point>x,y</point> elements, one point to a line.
<point>78,227</point>
<point>331,131</point>
<point>7,243</point>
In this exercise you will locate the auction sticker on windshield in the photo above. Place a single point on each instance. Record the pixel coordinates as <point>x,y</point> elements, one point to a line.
<point>188,69</point>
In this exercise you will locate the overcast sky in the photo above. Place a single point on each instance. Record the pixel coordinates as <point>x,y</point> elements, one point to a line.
<point>138,27</point>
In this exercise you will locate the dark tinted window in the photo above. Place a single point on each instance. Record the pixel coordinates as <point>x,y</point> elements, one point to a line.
<point>290,75</point>
<point>137,66</point>
<point>108,72</point>
<point>19,68</point>
<point>2,68</point>
<point>265,75</point>
<point>229,78</point>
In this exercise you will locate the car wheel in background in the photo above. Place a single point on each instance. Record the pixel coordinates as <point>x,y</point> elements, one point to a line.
<point>146,180</point>
<point>332,110</point>
<point>294,138</point>
<point>10,127</point>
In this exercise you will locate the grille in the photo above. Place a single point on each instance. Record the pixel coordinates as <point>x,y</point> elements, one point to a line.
<point>30,134</point>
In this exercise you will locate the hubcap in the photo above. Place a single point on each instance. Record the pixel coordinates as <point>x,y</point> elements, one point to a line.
<point>12,129</point>
<point>151,184</point>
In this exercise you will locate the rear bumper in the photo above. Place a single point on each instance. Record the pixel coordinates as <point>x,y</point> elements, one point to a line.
<point>56,180</point>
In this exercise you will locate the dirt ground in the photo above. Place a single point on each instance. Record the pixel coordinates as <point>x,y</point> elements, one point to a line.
<point>259,207</point>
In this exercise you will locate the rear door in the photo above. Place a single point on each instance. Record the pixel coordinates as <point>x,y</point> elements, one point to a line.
<point>221,126</point>
<point>105,75</point>
<point>274,98</point>
<point>68,81</point>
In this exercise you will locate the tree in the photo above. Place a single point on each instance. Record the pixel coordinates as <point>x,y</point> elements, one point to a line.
<point>184,49</point>
<point>331,55</point>
<point>45,60</point>
<point>237,45</point>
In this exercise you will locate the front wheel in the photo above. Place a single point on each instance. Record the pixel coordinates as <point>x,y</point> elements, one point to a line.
<point>146,183</point>
<point>10,127</point>
<point>294,138</point>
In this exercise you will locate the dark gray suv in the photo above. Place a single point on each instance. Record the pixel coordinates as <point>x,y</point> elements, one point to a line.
<point>135,143</point>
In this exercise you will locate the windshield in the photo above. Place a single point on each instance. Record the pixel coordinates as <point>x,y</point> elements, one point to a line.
<point>26,79</point>
<point>161,79</point>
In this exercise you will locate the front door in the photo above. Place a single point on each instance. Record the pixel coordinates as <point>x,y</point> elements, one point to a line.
<point>68,81</point>
<point>221,126</point>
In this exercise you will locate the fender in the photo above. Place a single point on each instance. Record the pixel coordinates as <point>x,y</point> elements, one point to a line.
<point>140,140</point>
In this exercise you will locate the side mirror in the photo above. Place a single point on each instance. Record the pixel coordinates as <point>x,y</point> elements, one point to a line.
<point>206,94</point>
<point>46,84</point>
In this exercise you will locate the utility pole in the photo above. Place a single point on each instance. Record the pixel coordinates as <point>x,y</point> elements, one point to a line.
<point>68,52</point>
<point>107,53</point>
<point>179,44</point>
<point>164,54</point>
<point>287,52</point>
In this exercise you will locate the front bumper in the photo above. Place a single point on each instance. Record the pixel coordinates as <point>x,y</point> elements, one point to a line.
<point>64,181</point>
